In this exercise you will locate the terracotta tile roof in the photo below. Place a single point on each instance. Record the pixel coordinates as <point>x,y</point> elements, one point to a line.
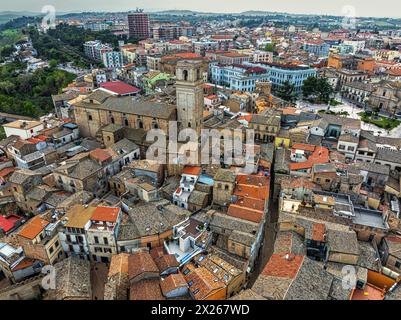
<point>245,213</point>
<point>173,281</point>
<point>252,203</point>
<point>146,290</point>
<point>157,252</point>
<point>188,55</point>
<point>33,227</point>
<point>139,263</point>
<point>119,87</point>
<point>320,155</point>
<point>202,283</point>
<point>252,186</point>
<point>302,146</point>
<point>369,293</point>
<point>302,182</point>
<point>25,263</point>
<point>166,261</point>
<point>280,266</point>
<point>108,214</point>
<point>192,170</point>
<point>318,231</point>
<point>118,264</point>
<point>100,154</point>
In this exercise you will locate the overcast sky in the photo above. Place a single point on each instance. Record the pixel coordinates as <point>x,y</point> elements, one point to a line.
<point>381,8</point>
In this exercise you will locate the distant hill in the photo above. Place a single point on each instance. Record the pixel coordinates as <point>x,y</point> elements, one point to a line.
<point>257,13</point>
<point>177,12</point>
<point>6,16</point>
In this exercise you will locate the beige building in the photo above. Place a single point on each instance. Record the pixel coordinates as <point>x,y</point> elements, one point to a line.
<point>224,183</point>
<point>100,109</point>
<point>101,234</point>
<point>40,240</point>
<point>189,91</point>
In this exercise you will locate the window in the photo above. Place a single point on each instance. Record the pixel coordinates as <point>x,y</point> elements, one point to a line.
<point>89,117</point>
<point>51,250</point>
<point>351,148</point>
<point>57,243</point>
<point>341,147</point>
<point>106,241</point>
<point>398,264</point>
<point>96,239</point>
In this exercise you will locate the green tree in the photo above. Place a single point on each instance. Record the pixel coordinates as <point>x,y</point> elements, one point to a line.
<point>317,89</point>
<point>270,47</point>
<point>7,50</point>
<point>309,87</point>
<point>287,92</point>
<point>7,87</point>
<point>324,90</point>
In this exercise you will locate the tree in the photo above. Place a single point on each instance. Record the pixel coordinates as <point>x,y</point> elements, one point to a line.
<point>53,63</point>
<point>287,92</point>
<point>7,50</point>
<point>270,47</point>
<point>309,87</point>
<point>324,90</point>
<point>7,87</point>
<point>317,89</point>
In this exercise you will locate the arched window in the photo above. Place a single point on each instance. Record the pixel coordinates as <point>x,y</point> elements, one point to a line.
<point>185,75</point>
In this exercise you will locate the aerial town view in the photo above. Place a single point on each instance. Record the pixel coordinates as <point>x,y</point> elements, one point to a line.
<point>178,152</point>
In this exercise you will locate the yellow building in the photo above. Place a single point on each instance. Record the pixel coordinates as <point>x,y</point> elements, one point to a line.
<point>282,139</point>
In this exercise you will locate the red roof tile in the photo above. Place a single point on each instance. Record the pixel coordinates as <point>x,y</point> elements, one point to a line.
<point>139,263</point>
<point>195,171</point>
<point>280,266</point>
<point>173,281</point>
<point>119,87</point>
<point>245,213</point>
<point>318,231</point>
<point>25,263</point>
<point>107,214</point>
<point>320,155</point>
<point>100,154</point>
<point>6,171</point>
<point>33,227</point>
<point>146,290</point>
